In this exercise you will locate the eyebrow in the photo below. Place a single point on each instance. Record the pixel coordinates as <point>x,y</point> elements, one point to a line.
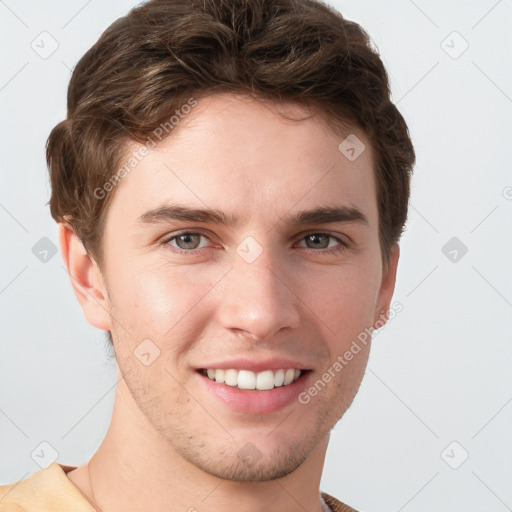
<point>318,215</point>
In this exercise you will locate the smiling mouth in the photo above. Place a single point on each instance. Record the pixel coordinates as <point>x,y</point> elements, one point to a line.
<point>258,381</point>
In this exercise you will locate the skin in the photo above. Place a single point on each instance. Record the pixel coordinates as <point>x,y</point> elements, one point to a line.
<point>170,446</point>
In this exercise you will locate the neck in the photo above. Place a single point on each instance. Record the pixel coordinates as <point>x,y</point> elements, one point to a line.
<point>136,469</point>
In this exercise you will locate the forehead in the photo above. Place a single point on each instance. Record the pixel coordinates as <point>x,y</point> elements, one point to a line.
<point>236,154</point>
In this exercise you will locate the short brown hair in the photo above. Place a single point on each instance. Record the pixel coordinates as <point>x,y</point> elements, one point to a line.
<point>149,63</point>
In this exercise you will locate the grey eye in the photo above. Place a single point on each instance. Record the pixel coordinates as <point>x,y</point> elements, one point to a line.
<point>187,240</point>
<point>315,238</point>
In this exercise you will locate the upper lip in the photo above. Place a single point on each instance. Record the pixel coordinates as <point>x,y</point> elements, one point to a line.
<point>274,363</point>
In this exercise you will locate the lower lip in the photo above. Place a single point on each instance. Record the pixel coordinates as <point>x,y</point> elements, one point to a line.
<point>253,401</point>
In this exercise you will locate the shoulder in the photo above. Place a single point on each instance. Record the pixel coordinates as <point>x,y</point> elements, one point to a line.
<point>336,505</point>
<point>11,507</point>
<point>8,497</point>
<point>46,489</point>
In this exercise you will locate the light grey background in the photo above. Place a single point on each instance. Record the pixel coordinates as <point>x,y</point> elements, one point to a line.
<point>438,372</point>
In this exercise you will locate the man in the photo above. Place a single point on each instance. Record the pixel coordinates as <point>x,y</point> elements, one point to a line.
<point>231,183</point>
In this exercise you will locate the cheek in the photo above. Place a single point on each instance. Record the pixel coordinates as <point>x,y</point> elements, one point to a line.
<point>342,299</point>
<point>162,302</point>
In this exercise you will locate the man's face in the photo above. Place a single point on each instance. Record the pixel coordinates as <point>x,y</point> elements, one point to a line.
<point>257,289</point>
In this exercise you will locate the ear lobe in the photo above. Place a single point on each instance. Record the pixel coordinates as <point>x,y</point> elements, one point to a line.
<point>85,278</point>
<point>387,288</point>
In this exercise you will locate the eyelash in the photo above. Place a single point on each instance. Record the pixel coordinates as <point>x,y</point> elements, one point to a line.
<point>333,250</point>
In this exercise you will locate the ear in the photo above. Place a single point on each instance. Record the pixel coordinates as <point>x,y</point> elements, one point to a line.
<point>86,278</point>
<point>387,288</point>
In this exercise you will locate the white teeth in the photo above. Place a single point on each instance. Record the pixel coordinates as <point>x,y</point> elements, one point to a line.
<point>288,376</point>
<point>230,377</point>
<point>220,376</point>
<point>246,379</point>
<point>279,378</point>
<point>265,380</point>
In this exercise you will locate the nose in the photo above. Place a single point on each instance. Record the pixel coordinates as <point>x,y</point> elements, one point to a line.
<point>257,299</point>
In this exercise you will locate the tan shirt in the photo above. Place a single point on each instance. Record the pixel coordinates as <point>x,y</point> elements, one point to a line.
<point>50,490</point>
